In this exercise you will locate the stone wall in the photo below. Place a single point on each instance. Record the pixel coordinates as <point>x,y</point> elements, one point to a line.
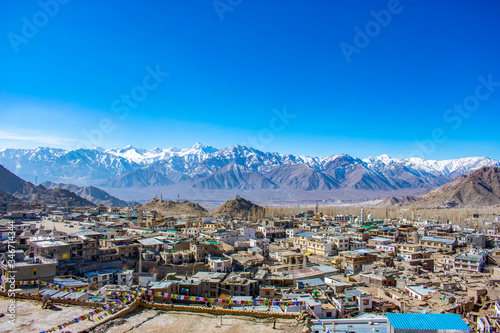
<point>139,302</point>
<point>129,309</point>
<point>186,269</point>
<point>38,297</point>
<point>218,311</point>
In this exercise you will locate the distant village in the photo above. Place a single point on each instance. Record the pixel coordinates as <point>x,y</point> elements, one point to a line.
<point>340,267</point>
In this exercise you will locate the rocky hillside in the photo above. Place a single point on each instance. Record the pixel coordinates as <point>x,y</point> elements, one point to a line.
<point>480,188</point>
<point>26,191</point>
<point>91,193</point>
<point>200,168</point>
<point>239,207</point>
<point>138,178</point>
<point>174,208</point>
<point>401,201</point>
<point>5,200</point>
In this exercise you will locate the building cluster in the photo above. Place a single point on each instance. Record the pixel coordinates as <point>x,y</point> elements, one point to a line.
<point>339,266</point>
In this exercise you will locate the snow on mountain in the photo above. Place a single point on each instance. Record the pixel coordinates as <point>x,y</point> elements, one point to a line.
<point>450,168</point>
<point>144,157</point>
<point>203,166</point>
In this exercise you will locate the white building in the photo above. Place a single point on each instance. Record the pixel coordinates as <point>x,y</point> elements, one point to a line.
<point>341,242</point>
<point>472,261</point>
<point>420,292</point>
<point>391,248</point>
<point>125,277</point>
<point>221,265</point>
<point>291,232</point>
<point>248,232</point>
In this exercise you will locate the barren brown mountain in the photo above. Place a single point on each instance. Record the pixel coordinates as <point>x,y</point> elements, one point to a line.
<point>174,208</point>
<point>27,191</point>
<point>480,188</point>
<point>239,207</point>
<point>401,201</point>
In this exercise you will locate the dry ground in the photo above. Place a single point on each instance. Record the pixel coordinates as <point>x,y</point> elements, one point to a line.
<point>31,318</point>
<point>160,321</point>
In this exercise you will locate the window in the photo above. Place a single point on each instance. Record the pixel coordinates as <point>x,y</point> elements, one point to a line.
<point>34,271</point>
<point>366,302</point>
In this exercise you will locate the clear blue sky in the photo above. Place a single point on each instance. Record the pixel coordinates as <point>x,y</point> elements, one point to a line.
<point>230,65</point>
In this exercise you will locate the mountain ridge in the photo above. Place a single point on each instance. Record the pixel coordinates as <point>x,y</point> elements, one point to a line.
<point>479,188</point>
<point>90,193</point>
<point>26,191</point>
<point>238,167</point>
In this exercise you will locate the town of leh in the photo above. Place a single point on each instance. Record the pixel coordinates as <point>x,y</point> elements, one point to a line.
<point>295,166</point>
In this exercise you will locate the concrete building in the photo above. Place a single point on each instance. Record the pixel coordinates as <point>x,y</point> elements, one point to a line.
<point>373,242</point>
<point>341,243</point>
<point>53,249</point>
<point>300,240</point>
<point>124,246</point>
<point>124,277</point>
<point>408,248</point>
<point>247,232</point>
<point>420,292</point>
<point>151,244</point>
<point>353,261</point>
<point>240,284</point>
<point>99,278</point>
<point>440,243</point>
<point>272,232</point>
<point>472,261</point>
<point>201,250</point>
<point>380,279</point>
<point>20,268</point>
<point>290,258</point>
<point>319,247</point>
<point>204,284</point>
<point>291,232</point>
<point>220,264</point>
<point>84,249</point>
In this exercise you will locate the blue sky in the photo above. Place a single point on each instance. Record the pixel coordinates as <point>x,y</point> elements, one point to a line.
<point>314,78</point>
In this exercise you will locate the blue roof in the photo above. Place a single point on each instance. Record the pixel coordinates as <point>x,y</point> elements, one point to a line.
<point>427,321</point>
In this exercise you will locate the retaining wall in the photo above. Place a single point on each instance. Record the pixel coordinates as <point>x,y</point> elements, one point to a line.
<point>38,297</point>
<point>218,311</point>
<point>132,307</point>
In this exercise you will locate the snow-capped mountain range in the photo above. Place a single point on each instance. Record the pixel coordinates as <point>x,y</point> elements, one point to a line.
<point>237,167</point>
